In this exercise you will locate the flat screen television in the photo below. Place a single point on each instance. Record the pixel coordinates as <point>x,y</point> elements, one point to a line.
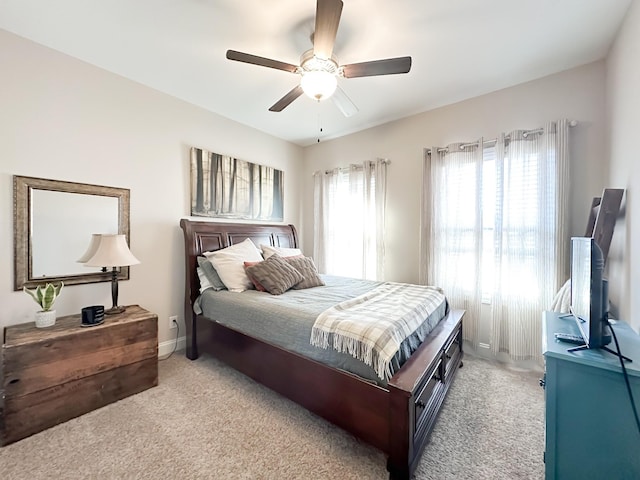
<point>589,292</point>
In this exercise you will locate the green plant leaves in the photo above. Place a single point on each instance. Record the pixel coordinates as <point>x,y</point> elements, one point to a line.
<point>46,295</point>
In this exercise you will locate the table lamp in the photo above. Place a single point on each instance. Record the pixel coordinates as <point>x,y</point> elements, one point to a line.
<point>112,251</point>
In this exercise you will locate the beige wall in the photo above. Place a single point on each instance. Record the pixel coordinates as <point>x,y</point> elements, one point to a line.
<point>623,112</point>
<point>63,119</point>
<point>576,94</point>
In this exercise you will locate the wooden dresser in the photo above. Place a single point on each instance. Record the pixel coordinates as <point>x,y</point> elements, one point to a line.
<point>50,375</point>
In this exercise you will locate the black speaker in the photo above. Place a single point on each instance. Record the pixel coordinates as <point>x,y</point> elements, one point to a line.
<point>93,315</point>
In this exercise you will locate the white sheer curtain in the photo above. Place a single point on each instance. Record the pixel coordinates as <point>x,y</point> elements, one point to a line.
<point>349,214</point>
<point>452,228</point>
<point>494,229</point>
<point>531,235</point>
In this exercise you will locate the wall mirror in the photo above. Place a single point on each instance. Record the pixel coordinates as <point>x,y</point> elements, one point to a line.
<point>53,224</point>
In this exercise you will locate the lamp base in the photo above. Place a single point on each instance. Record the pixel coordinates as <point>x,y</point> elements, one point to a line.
<point>114,310</point>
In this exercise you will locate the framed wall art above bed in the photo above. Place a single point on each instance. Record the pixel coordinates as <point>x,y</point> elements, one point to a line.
<point>226,187</point>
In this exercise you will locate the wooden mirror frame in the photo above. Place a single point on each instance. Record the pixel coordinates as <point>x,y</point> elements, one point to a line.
<point>22,218</point>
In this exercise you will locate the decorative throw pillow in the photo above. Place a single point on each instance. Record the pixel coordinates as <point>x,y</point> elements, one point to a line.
<point>210,274</point>
<point>275,275</point>
<point>267,251</point>
<point>307,268</point>
<point>254,280</point>
<point>205,284</point>
<point>229,263</point>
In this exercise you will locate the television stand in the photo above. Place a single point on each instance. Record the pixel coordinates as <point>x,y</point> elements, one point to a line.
<point>586,347</point>
<point>590,430</point>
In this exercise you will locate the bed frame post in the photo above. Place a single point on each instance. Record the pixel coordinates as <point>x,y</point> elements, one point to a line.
<point>400,434</point>
<point>191,280</point>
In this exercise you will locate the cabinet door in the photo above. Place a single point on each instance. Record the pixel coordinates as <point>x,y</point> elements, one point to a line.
<point>591,433</point>
<point>550,396</point>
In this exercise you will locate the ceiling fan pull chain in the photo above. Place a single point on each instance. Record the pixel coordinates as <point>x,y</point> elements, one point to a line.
<point>320,128</point>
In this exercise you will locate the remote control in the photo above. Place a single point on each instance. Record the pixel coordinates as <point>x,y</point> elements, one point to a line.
<point>569,338</point>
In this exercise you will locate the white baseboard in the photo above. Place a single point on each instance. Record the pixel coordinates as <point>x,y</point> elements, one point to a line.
<point>165,348</point>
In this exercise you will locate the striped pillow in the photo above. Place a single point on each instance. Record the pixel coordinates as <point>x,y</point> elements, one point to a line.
<point>255,282</point>
<point>308,270</point>
<point>275,274</point>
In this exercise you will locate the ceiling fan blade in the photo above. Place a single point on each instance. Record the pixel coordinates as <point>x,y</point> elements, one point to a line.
<point>327,19</point>
<point>344,103</point>
<point>263,62</point>
<point>287,99</point>
<point>388,66</point>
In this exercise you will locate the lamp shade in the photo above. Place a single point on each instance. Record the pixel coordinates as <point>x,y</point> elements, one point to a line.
<point>91,249</point>
<point>112,252</point>
<point>318,84</point>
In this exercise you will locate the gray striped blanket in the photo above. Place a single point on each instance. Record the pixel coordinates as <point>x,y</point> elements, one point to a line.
<point>372,327</point>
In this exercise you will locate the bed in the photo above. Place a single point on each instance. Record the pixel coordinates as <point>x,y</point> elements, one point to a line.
<point>396,418</point>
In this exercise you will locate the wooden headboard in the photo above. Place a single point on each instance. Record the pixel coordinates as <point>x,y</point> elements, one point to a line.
<point>203,236</point>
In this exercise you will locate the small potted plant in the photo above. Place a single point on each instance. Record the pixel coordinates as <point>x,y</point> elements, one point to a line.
<point>45,296</point>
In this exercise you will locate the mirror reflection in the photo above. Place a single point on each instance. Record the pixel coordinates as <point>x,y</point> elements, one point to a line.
<point>61,229</point>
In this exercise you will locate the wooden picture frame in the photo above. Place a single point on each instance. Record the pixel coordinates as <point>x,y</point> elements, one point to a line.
<point>226,187</point>
<point>23,218</point>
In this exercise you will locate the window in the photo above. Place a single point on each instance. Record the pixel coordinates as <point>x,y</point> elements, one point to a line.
<point>518,220</point>
<point>349,207</point>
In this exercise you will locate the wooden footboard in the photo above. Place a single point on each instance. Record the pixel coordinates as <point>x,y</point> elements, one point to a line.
<point>397,420</point>
<point>417,392</point>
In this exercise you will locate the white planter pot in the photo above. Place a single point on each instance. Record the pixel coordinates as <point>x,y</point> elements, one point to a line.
<point>45,319</point>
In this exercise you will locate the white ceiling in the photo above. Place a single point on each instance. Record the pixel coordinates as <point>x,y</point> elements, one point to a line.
<point>460,49</point>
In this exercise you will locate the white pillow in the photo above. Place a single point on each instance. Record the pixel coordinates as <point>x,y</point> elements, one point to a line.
<point>268,250</point>
<point>229,263</point>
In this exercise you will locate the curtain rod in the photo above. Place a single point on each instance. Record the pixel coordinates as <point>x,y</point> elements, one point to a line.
<point>386,161</point>
<point>525,134</point>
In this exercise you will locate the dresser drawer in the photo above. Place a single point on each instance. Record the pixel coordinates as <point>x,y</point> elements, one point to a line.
<point>429,390</point>
<point>452,352</point>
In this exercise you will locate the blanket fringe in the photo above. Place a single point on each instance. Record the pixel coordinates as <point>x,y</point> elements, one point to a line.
<point>356,348</point>
<point>398,309</point>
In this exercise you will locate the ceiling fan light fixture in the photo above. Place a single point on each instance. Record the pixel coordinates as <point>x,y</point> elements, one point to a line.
<point>319,68</point>
<point>318,84</point>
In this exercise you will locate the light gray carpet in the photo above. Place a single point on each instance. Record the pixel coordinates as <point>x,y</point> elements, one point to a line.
<point>206,421</point>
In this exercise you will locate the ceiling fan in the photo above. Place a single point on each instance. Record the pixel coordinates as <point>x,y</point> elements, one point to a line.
<point>320,69</point>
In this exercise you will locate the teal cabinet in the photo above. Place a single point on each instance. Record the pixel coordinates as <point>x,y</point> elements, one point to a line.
<point>590,432</point>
